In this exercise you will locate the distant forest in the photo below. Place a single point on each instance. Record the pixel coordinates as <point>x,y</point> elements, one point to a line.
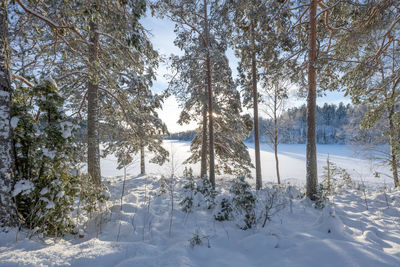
<point>336,124</point>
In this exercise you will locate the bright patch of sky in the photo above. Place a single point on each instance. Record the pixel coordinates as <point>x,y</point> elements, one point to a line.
<point>162,37</point>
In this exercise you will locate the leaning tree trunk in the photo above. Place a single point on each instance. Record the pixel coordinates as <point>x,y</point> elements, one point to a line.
<point>312,178</point>
<point>203,169</point>
<point>93,109</point>
<point>142,163</point>
<point>210,100</point>
<point>6,159</point>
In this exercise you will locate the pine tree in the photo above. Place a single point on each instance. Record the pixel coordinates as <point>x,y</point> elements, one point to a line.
<point>97,42</point>
<point>204,46</point>
<point>231,128</point>
<point>201,19</point>
<point>247,44</point>
<point>139,128</point>
<point>306,33</point>
<point>371,76</point>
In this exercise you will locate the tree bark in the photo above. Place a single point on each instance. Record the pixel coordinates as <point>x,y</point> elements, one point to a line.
<point>392,142</point>
<point>255,109</point>
<point>276,136</point>
<point>210,100</point>
<point>312,178</point>
<point>93,109</point>
<point>203,169</point>
<point>142,162</point>
<point>7,210</point>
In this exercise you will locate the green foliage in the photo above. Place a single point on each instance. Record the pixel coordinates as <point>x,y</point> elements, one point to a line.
<point>207,193</point>
<point>198,240</point>
<point>45,155</point>
<point>91,197</point>
<point>197,193</point>
<point>321,197</point>
<point>334,177</point>
<point>223,210</point>
<point>188,190</point>
<point>243,202</point>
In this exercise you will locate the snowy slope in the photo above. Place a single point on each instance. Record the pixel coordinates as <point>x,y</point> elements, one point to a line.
<point>346,234</point>
<point>343,234</point>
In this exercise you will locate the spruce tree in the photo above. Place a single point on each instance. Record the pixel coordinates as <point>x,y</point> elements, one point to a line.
<point>45,155</point>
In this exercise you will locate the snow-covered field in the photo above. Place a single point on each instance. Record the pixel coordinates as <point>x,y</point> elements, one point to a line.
<point>291,160</point>
<point>345,233</point>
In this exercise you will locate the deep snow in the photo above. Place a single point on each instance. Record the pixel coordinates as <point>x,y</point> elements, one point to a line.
<point>345,233</point>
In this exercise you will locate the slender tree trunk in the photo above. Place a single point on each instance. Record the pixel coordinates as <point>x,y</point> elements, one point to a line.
<point>210,100</point>
<point>312,178</point>
<point>142,163</point>
<point>392,142</point>
<point>93,109</point>
<point>276,137</point>
<point>328,163</point>
<point>255,109</point>
<point>203,170</point>
<point>7,210</point>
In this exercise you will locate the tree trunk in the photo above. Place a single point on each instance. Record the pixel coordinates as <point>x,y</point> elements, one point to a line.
<point>392,142</point>
<point>255,109</point>
<point>203,170</point>
<point>7,210</point>
<point>142,163</point>
<point>276,136</point>
<point>210,100</point>
<point>312,178</point>
<point>93,109</point>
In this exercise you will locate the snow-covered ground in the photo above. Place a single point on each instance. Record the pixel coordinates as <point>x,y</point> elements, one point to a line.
<point>358,229</point>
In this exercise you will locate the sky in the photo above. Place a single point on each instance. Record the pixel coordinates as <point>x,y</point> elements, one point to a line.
<point>162,37</point>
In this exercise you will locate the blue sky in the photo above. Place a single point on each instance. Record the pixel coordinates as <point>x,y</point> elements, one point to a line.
<point>163,36</point>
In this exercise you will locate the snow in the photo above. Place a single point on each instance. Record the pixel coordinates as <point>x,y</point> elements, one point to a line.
<point>66,128</point>
<point>24,187</point>
<point>346,232</point>
<point>14,122</point>
<point>292,161</point>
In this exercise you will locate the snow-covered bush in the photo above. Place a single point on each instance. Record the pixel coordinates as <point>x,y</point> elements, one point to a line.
<point>90,197</point>
<point>243,203</point>
<point>223,209</point>
<point>198,240</point>
<point>197,193</point>
<point>204,194</point>
<point>189,189</point>
<point>271,200</point>
<point>44,154</point>
<point>321,197</point>
<point>334,178</point>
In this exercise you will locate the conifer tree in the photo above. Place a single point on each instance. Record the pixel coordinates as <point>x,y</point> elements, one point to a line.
<point>230,127</point>
<point>110,42</point>
<point>313,36</point>
<point>139,128</point>
<point>6,160</point>
<point>201,19</point>
<point>45,155</point>
<point>369,58</point>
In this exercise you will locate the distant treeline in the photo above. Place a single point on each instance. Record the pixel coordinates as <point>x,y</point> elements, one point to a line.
<point>334,125</point>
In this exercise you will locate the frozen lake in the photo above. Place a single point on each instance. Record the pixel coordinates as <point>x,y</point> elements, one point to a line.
<point>292,159</point>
